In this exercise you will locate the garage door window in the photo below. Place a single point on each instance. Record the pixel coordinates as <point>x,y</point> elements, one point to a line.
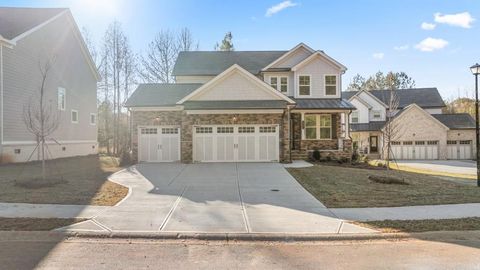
<point>432,142</point>
<point>203,130</point>
<point>408,143</point>
<point>395,143</point>
<point>451,142</point>
<point>465,142</point>
<point>420,143</point>
<point>148,131</point>
<point>267,129</point>
<point>224,129</point>
<point>169,130</point>
<point>246,129</point>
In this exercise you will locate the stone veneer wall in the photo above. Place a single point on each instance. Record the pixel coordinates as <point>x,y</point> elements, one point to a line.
<point>187,121</point>
<point>328,147</point>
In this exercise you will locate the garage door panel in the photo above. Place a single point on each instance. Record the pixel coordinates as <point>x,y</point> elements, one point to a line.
<point>158,144</point>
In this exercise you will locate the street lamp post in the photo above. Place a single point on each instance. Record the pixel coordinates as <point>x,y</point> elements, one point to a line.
<point>475,71</point>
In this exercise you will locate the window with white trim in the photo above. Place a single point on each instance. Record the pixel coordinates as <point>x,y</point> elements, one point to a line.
<point>330,85</point>
<point>74,116</point>
<point>355,117</point>
<point>274,82</point>
<point>283,84</point>
<point>93,119</point>
<point>61,99</point>
<point>377,114</point>
<point>318,126</point>
<point>304,85</point>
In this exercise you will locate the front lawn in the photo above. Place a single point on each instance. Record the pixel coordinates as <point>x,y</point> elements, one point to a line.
<point>341,187</point>
<point>424,225</point>
<point>79,180</point>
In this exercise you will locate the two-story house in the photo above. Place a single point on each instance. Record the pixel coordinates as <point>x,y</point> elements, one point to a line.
<point>247,106</point>
<point>30,40</point>
<point>419,129</point>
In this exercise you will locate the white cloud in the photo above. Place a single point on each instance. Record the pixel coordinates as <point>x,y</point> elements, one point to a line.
<point>279,7</point>
<point>401,48</point>
<point>463,19</point>
<point>378,55</point>
<point>428,26</point>
<point>431,44</point>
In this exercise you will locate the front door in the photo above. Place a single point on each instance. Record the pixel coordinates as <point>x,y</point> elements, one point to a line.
<point>373,144</point>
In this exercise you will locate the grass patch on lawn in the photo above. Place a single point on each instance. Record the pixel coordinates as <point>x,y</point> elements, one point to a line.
<point>35,224</point>
<point>84,182</point>
<point>341,187</point>
<point>424,225</point>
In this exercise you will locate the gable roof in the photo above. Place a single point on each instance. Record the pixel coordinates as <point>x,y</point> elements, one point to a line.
<point>319,54</point>
<point>415,106</point>
<point>423,97</point>
<point>236,68</point>
<point>287,53</point>
<point>234,104</point>
<point>159,94</point>
<point>371,126</point>
<point>16,21</point>
<point>456,120</point>
<point>360,100</point>
<point>213,63</point>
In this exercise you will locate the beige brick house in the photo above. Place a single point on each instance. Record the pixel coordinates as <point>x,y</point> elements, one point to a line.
<point>422,131</point>
<point>251,106</point>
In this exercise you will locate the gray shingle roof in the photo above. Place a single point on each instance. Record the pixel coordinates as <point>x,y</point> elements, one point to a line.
<point>423,97</point>
<point>316,103</point>
<point>214,63</point>
<point>372,126</point>
<point>15,21</point>
<point>235,104</point>
<point>157,94</point>
<point>456,121</point>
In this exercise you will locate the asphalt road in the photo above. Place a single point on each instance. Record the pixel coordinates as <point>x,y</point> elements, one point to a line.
<point>22,253</point>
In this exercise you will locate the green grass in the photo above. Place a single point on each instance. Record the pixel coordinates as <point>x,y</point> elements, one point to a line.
<point>83,181</point>
<point>35,224</point>
<point>425,225</point>
<point>340,187</point>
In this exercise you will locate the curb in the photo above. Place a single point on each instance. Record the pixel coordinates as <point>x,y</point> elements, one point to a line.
<point>266,237</point>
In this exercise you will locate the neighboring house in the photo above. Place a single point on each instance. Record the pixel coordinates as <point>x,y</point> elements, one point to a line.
<point>29,38</point>
<point>247,106</point>
<point>421,130</point>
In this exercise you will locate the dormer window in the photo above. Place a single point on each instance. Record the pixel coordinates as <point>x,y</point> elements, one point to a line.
<point>330,85</point>
<point>274,82</point>
<point>304,85</point>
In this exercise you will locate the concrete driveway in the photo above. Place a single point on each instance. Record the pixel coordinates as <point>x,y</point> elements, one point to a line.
<point>462,168</point>
<point>216,197</point>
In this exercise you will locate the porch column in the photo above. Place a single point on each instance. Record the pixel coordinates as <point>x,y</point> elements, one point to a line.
<point>302,125</point>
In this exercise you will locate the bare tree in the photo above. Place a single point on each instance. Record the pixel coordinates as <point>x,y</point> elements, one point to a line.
<point>158,62</point>
<point>160,58</point>
<point>391,130</point>
<point>41,118</point>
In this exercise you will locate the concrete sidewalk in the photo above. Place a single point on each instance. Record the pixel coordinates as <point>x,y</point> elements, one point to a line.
<point>21,210</point>
<point>444,211</point>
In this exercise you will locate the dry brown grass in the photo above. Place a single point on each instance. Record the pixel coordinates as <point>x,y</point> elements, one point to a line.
<point>35,224</point>
<point>85,182</point>
<point>349,187</point>
<point>424,225</point>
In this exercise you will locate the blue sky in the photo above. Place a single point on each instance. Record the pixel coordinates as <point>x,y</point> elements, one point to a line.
<point>366,36</point>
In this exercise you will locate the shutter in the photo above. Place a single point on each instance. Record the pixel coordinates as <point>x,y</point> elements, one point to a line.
<point>334,126</point>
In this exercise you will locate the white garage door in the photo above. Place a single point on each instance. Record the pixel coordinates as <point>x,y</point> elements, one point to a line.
<point>159,144</point>
<point>232,143</point>
<point>459,149</point>
<point>415,150</point>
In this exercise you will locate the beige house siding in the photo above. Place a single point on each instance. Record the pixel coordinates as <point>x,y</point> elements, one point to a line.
<point>56,41</point>
<point>234,86</point>
<point>317,68</point>
<point>294,58</point>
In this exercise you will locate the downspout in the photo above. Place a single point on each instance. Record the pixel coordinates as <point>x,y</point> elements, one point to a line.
<point>1,102</point>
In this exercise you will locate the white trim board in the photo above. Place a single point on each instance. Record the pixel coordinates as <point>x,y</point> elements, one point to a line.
<point>160,109</point>
<point>321,54</point>
<point>300,45</point>
<point>235,111</point>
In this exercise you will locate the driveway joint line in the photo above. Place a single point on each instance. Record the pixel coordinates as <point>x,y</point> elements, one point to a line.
<point>244,211</point>
<point>170,213</point>
<point>99,224</point>
<point>178,174</point>
<point>340,227</point>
